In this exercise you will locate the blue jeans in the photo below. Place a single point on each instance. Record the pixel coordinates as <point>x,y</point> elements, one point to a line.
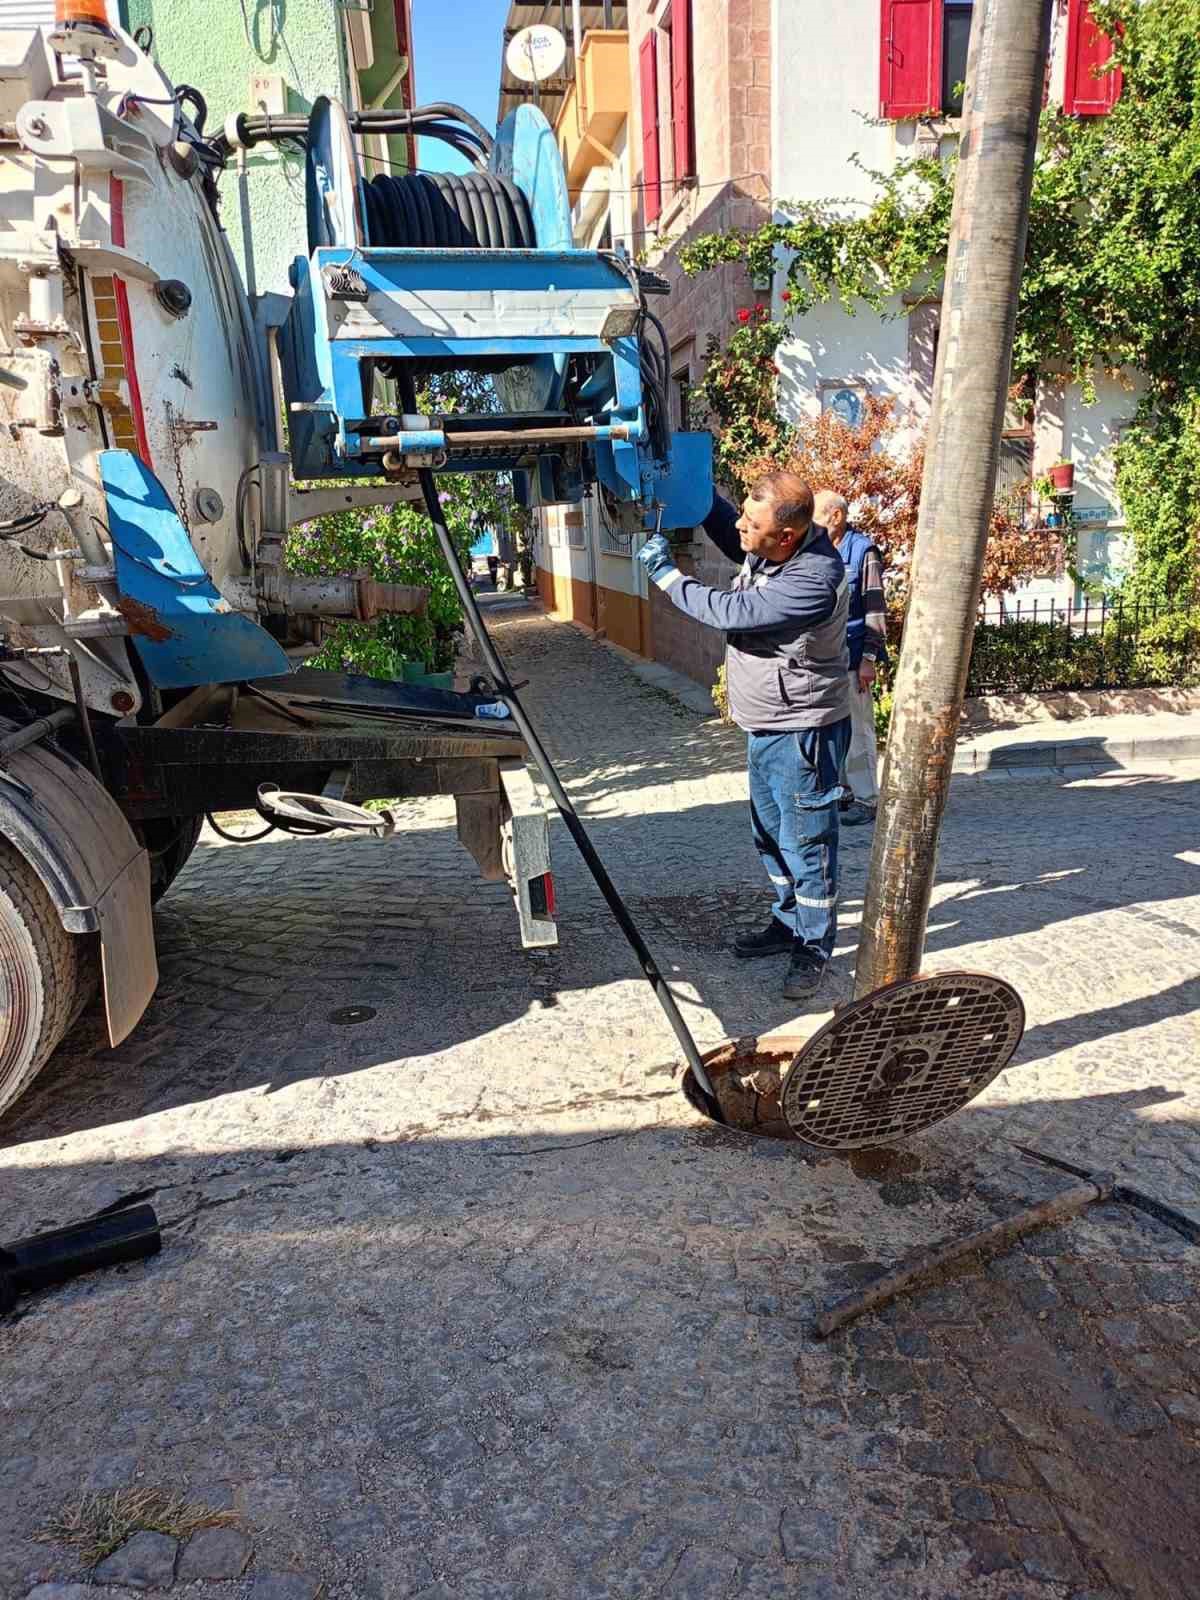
<point>794,790</point>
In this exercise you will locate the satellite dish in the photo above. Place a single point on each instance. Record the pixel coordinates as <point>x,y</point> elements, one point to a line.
<point>535,54</point>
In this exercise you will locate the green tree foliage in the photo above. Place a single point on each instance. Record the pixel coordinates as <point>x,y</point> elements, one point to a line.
<point>1112,275</point>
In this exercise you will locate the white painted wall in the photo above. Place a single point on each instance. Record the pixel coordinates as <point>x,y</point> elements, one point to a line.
<point>554,554</point>
<point>824,82</point>
<point>552,550</point>
<point>825,85</point>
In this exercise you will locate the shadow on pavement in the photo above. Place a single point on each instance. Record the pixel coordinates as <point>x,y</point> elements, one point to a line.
<point>534,1366</point>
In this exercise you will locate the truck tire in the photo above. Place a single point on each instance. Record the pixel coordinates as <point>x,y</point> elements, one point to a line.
<point>39,975</point>
<point>170,843</point>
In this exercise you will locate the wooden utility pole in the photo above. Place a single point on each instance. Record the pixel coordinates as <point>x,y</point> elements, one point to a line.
<point>1003,101</point>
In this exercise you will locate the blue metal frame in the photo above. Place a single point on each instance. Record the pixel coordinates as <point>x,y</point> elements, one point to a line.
<point>321,371</point>
<point>323,381</point>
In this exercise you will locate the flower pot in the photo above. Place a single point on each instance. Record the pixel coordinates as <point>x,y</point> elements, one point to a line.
<point>1062,476</point>
<point>413,671</point>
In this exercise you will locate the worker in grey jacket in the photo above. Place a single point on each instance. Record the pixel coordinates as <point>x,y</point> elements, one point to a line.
<point>786,674</point>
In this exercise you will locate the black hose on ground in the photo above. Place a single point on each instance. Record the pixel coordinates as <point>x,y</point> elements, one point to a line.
<point>567,810</point>
<point>103,1241</point>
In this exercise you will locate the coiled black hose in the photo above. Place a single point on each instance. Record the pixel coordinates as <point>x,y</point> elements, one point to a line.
<point>448,211</point>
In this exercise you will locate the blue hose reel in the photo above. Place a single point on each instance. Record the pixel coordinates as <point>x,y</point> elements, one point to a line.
<point>425,273</point>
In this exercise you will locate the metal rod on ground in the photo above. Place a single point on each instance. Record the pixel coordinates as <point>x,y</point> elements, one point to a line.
<point>1170,1216</point>
<point>923,1265</point>
<point>563,801</point>
<point>1005,72</point>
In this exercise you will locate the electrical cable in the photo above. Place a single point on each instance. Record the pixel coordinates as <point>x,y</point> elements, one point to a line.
<point>621,537</point>
<point>507,692</point>
<point>85,721</point>
<point>174,577</point>
<point>11,531</point>
<point>186,94</point>
<point>278,30</point>
<point>25,523</point>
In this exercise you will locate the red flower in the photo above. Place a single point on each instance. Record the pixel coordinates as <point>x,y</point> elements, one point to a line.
<point>786,296</point>
<point>743,315</point>
<point>760,309</point>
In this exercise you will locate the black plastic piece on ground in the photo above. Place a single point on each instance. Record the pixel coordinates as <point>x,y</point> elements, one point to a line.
<point>104,1241</point>
<point>567,810</point>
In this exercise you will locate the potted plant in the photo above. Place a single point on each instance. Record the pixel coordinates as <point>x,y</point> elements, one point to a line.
<point>1062,476</point>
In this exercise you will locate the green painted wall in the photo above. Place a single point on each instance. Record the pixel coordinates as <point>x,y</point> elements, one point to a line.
<point>206,43</point>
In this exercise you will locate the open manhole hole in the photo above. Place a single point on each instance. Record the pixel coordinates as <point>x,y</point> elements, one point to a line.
<point>884,1067</point>
<point>346,1016</point>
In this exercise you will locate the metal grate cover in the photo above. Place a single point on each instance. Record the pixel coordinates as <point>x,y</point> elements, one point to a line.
<point>901,1059</point>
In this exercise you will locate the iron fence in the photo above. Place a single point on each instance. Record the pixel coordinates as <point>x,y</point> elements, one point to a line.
<point>1038,646</point>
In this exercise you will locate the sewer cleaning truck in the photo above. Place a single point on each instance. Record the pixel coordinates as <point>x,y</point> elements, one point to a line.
<point>161,432</point>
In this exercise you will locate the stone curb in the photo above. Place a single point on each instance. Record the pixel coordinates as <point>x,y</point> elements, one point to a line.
<point>1051,754</point>
<point>1096,752</point>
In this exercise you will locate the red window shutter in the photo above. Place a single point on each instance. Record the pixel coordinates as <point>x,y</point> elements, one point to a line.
<point>1085,94</point>
<point>648,69</point>
<point>910,57</point>
<point>681,89</point>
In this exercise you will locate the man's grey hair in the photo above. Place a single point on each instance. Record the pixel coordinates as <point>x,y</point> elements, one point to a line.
<point>833,502</point>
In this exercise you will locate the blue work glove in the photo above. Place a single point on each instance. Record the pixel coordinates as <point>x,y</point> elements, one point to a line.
<point>655,555</point>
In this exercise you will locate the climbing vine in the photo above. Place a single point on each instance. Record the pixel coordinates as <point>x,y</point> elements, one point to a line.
<point>1112,274</point>
<point>736,396</point>
<point>871,257</point>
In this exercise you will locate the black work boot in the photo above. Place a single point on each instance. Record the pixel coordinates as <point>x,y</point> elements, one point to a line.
<point>806,973</point>
<point>773,940</point>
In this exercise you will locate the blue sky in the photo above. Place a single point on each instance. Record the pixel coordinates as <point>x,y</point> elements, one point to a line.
<point>456,56</point>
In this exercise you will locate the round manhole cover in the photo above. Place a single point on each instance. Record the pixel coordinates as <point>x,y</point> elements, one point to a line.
<point>901,1059</point>
<point>344,1016</point>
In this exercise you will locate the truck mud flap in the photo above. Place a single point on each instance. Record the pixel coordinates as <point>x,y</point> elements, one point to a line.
<point>127,953</point>
<point>525,844</point>
<point>78,841</point>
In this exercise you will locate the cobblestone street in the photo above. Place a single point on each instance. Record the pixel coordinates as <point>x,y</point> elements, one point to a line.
<point>463,1301</point>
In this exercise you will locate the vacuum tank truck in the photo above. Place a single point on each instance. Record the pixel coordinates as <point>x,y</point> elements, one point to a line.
<point>160,433</point>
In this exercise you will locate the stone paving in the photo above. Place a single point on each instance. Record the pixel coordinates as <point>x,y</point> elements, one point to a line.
<point>464,1302</point>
